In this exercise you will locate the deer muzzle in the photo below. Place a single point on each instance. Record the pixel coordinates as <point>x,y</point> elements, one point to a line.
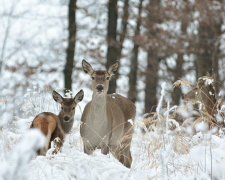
<point>99,88</point>
<point>66,118</point>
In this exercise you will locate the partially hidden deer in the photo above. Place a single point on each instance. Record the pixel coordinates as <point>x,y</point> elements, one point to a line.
<point>204,93</point>
<point>105,120</point>
<point>53,126</point>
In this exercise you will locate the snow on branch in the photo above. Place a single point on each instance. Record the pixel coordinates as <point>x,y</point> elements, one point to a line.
<point>16,161</point>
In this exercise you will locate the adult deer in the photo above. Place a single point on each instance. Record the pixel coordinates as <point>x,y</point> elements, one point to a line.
<point>55,126</point>
<point>105,118</point>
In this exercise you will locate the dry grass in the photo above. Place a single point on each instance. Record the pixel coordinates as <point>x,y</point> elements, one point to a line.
<point>180,82</point>
<point>181,144</point>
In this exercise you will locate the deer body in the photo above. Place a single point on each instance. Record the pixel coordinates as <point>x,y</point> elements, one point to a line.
<point>55,126</point>
<point>105,119</point>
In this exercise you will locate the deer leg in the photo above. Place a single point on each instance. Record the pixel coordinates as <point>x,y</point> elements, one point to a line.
<point>126,156</point>
<point>120,157</point>
<point>115,150</point>
<point>115,147</point>
<point>104,145</point>
<point>88,148</point>
<point>56,144</point>
<point>125,145</point>
<point>42,151</point>
<point>105,149</point>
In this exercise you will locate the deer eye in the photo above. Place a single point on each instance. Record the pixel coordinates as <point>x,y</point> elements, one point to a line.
<point>92,77</point>
<point>107,78</point>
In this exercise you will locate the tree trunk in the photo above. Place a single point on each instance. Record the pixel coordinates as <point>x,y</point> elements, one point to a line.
<point>178,73</point>
<point>112,51</point>
<point>124,27</point>
<point>71,45</point>
<point>216,54</point>
<point>151,82</point>
<point>115,47</point>
<point>204,54</point>
<point>215,65</point>
<point>208,50</point>
<point>132,93</point>
<point>151,74</point>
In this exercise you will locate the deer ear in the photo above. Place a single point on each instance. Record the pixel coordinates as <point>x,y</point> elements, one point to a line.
<point>113,68</point>
<point>79,96</point>
<point>57,97</point>
<point>87,67</point>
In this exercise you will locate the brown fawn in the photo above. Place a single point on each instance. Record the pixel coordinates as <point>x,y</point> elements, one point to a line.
<point>55,126</point>
<point>104,122</point>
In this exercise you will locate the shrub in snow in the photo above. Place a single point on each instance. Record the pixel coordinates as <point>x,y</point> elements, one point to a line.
<point>16,161</point>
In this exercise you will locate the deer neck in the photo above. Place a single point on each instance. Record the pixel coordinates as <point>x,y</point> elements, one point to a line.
<point>66,126</point>
<point>98,108</point>
<point>98,102</point>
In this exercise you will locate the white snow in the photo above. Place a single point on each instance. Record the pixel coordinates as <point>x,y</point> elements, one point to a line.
<point>15,163</point>
<point>201,126</point>
<point>131,121</point>
<point>207,80</point>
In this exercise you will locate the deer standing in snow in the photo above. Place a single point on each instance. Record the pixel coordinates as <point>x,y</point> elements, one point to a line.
<point>105,118</point>
<point>55,126</point>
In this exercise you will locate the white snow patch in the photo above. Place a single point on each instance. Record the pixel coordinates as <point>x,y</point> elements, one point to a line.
<point>16,163</point>
<point>210,93</point>
<point>201,126</point>
<point>208,81</point>
<point>219,118</point>
<point>131,122</point>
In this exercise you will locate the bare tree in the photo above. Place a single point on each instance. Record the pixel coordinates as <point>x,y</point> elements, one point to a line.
<point>115,46</point>
<point>71,45</point>
<point>132,93</point>
<point>209,33</point>
<point>178,72</point>
<point>7,32</point>
<point>151,73</point>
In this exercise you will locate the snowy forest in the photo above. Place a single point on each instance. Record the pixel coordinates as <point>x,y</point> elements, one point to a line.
<point>171,56</point>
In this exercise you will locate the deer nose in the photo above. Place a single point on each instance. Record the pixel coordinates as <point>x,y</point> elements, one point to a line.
<point>66,118</point>
<point>99,88</point>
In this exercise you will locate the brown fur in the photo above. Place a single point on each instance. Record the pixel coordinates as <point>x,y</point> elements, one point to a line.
<point>54,126</point>
<point>105,119</point>
<point>50,126</point>
<point>44,121</point>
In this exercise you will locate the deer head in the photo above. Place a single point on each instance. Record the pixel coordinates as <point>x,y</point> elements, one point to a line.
<point>68,105</point>
<point>100,79</point>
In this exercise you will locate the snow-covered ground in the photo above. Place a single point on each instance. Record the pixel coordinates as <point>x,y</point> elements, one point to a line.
<point>158,154</point>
